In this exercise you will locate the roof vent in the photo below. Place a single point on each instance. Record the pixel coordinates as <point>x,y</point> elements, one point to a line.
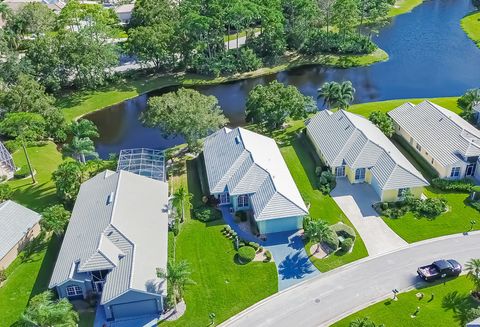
<point>347,127</point>
<point>237,140</point>
<point>341,117</point>
<point>110,198</point>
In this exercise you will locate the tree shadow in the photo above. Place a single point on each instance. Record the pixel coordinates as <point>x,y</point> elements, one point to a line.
<point>295,266</point>
<point>461,305</point>
<point>308,159</point>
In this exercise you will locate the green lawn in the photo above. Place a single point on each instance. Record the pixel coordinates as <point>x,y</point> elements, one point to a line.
<point>471,26</point>
<point>27,276</point>
<point>222,286</point>
<point>403,6</point>
<point>450,299</point>
<point>30,276</point>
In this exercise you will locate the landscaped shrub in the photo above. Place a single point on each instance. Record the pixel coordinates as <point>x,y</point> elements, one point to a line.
<point>3,275</point>
<point>268,256</point>
<point>5,192</point>
<point>460,185</point>
<point>23,172</point>
<point>332,240</point>
<point>206,214</point>
<point>344,230</point>
<point>326,182</point>
<point>475,204</point>
<point>254,245</point>
<point>431,207</point>
<point>318,171</point>
<point>246,254</point>
<point>346,245</point>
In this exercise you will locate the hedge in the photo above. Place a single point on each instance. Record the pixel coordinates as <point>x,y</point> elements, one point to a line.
<point>346,245</point>
<point>459,185</point>
<point>344,230</point>
<point>246,254</point>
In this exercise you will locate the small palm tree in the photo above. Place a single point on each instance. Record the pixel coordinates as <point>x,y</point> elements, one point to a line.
<point>83,128</point>
<point>473,269</point>
<point>178,276</point>
<point>364,322</point>
<point>329,92</point>
<point>317,231</point>
<point>44,311</point>
<point>181,199</point>
<point>79,148</point>
<point>346,95</point>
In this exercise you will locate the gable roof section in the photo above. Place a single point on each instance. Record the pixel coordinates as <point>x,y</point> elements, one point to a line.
<point>347,138</point>
<point>245,162</point>
<point>15,221</point>
<point>117,235</point>
<point>441,132</point>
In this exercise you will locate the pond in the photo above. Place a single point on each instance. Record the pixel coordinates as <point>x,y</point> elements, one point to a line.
<point>430,56</point>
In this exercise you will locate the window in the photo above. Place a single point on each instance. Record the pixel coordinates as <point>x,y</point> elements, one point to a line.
<point>74,290</point>
<point>340,171</point>
<point>402,192</point>
<point>455,172</point>
<point>225,198</point>
<point>243,201</point>
<point>360,174</point>
<point>419,148</point>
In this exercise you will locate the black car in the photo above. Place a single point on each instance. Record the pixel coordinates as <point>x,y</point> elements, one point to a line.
<point>440,269</point>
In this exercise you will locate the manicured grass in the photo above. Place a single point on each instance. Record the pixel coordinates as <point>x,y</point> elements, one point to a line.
<point>471,26</point>
<point>365,109</point>
<point>450,299</point>
<point>27,276</point>
<point>81,103</point>
<point>222,286</point>
<point>45,160</point>
<point>403,6</point>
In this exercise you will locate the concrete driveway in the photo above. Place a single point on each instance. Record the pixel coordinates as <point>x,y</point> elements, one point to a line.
<point>356,201</point>
<point>322,300</point>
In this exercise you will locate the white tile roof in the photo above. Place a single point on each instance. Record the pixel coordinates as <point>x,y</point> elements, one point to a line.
<point>127,235</point>
<point>15,221</point>
<point>249,163</point>
<point>347,138</point>
<point>441,132</point>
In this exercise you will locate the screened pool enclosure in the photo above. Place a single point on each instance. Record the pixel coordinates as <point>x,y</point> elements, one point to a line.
<point>7,166</point>
<point>145,162</point>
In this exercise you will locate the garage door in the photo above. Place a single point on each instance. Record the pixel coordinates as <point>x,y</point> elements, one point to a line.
<point>132,309</point>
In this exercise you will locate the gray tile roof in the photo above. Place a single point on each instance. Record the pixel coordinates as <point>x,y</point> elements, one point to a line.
<point>249,163</point>
<point>441,132</point>
<point>347,138</point>
<point>15,221</point>
<point>127,234</point>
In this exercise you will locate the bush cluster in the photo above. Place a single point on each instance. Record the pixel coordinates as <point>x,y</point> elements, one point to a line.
<point>229,232</point>
<point>430,207</point>
<point>229,62</point>
<point>319,41</point>
<point>344,230</point>
<point>346,245</point>
<point>332,240</point>
<point>268,256</point>
<point>206,214</point>
<point>246,254</point>
<point>459,185</point>
<point>326,182</point>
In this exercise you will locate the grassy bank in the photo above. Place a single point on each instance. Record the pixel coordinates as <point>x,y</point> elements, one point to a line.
<point>471,26</point>
<point>403,6</point>
<point>78,104</point>
<point>449,300</point>
<point>222,286</point>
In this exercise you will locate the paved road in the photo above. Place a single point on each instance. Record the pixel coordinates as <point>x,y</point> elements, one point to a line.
<point>329,297</point>
<point>356,202</point>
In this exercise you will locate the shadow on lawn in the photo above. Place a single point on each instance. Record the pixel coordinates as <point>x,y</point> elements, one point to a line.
<point>461,305</point>
<point>37,197</point>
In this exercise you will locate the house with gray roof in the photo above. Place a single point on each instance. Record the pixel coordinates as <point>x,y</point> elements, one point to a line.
<point>353,147</point>
<point>444,139</point>
<point>246,171</point>
<point>115,242</point>
<point>18,226</point>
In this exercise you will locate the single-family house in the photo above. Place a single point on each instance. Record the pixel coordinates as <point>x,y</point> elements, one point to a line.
<point>246,170</point>
<point>18,226</point>
<point>445,140</point>
<point>115,242</point>
<point>124,13</point>
<point>350,145</point>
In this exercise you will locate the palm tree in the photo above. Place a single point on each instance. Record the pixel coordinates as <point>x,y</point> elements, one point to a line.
<point>317,231</point>
<point>345,95</point>
<point>181,199</point>
<point>177,276</point>
<point>83,128</point>
<point>79,148</point>
<point>329,92</point>
<point>364,322</point>
<point>44,311</point>
<point>473,269</point>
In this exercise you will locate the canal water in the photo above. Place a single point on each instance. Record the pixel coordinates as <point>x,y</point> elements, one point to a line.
<point>430,56</point>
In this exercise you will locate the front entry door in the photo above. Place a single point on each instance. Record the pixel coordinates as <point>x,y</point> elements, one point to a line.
<point>470,171</point>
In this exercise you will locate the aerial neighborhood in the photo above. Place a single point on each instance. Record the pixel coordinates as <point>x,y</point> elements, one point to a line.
<point>240,163</point>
